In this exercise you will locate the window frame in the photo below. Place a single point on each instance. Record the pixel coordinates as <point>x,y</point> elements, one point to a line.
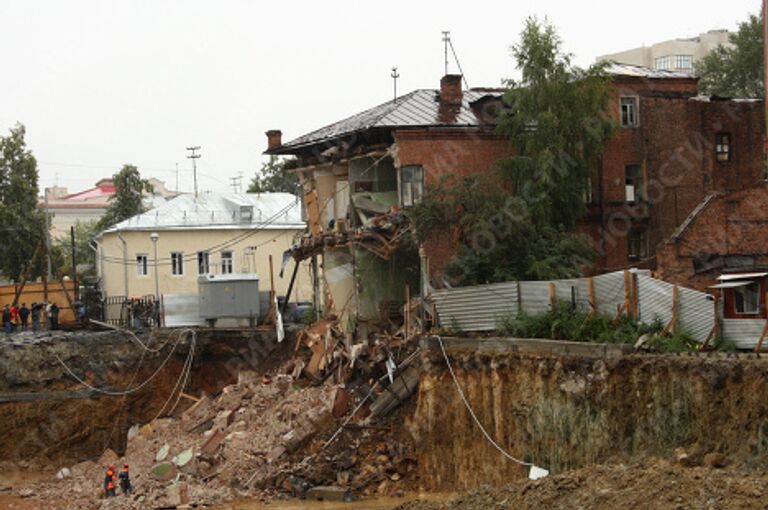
<point>203,259</point>
<point>230,259</point>
<point>639,236</point>
<point>635,104</point>
<point>757,303</point>
<point>177,263</point>
<point>728,145</point>
<point>415,186</point>
<point>663,63</point>
<point>144,267</point>
<point>680,58</point>
<point>638,184</point>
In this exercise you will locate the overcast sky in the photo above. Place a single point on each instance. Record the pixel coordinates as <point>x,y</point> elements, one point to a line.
<point>107,82</point>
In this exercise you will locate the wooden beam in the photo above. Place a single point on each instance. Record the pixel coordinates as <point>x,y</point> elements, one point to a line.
<point>552,295</point>
<point>759,346</point>
<point>627,292</point>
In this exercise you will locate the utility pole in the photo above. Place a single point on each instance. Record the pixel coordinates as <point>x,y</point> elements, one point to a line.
<point>237,183</point>
<point>194,157</point>
<point>47,234</point>
<point>74,259</point>
<point>395,75</point>
<point>765,83</point>
<point>177,178</point>
<point>446,42</point>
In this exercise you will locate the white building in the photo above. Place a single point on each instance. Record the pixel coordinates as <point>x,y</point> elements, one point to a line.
<point>676,55</point>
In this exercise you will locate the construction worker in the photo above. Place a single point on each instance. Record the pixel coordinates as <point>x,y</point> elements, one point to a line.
<point>109,482</point>
<point>125,480</point>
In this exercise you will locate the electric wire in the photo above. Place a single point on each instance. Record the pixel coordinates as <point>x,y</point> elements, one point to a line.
<point>121,392</point>
<point>472,412</point>
<point>183,375</point>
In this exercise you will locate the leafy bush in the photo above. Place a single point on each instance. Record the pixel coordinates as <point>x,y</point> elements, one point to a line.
<point>566,323</point>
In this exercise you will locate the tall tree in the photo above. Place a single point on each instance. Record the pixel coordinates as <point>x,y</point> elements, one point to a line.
<point>521,222</point>
<point>735,70</point>
<point>21,223</point>
<point>127,200</point>
<point>556,121</point>
<point>274,177</point>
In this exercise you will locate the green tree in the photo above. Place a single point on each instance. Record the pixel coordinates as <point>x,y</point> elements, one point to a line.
<point>84,234</point>
<point>556,120</point>
<point>519,222</point>
<point>274,177</point>
<point>736,70</point>
<point>127,200</point>
<point>22,224</point>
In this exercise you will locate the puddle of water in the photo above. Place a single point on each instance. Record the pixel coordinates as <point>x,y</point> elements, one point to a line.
<point>370,504</point>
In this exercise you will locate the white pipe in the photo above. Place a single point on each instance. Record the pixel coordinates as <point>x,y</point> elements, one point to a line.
<point>125,263</point>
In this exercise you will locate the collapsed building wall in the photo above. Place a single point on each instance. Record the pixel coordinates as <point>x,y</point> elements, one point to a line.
<point>564,410</point>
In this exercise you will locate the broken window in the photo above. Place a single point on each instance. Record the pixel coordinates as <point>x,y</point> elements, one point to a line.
<point>637,243</point>
<point>142,268</point>
<point>177,263</point>
<point>723,146</point>
<point>411,184</point>
<point>203,262</point>
<point>633,184</point>
<point>629,111</point>
<point>746,299</point>
<point>227,262</point>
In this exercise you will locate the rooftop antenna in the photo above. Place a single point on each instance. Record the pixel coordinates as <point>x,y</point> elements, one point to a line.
<point>395,75</point>
<point>446,42</point>
<point>194,158</point>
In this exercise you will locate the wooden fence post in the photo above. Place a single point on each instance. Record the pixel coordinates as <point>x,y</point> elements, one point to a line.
<point>552,295</point>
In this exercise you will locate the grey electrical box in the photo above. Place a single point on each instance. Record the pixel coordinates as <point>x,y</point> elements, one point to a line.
<point>229,296</point>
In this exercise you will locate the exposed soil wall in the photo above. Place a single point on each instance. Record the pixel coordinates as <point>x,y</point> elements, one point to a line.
<point>568,411</point>
<point>46,416</point>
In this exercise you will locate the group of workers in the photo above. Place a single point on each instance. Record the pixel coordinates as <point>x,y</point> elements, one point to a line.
<point>111,479</point>
<point>17,318</point>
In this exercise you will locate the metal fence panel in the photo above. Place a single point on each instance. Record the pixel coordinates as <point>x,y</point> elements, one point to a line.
<point>181,310</point>
<point>654,300</point>
<point>696,313</point>
<point>609,292</point>
<point>744,333</point>
<point>478,307</point>
<point>534,297</point>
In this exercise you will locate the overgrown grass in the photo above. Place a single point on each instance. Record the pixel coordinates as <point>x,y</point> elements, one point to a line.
<point>565,323</point>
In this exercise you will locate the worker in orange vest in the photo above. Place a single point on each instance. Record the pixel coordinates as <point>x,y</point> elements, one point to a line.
<point>125,480</point>
<point>109,482</point>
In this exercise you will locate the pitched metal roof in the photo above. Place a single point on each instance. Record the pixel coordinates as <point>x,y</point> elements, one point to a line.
<point>220,211</point>
<point>415,109</point>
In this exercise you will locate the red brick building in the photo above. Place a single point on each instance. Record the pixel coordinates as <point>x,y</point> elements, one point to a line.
<point>671,149</point>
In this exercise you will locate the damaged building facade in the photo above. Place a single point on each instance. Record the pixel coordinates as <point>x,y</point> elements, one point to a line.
<point>671,149</point>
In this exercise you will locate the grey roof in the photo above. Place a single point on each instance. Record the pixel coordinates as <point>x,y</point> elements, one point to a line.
<point>220,211</point>
<point>619,69</point>
<point>415,109</point>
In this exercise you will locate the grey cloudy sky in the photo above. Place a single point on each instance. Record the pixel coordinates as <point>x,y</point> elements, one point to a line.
<point>100,83</point>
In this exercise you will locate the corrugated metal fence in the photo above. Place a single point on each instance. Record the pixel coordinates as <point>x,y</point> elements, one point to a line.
<point>482,307</point>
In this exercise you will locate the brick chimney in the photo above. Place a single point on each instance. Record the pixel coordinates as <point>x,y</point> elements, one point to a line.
<point>274,139</point>
<point>450,89</point>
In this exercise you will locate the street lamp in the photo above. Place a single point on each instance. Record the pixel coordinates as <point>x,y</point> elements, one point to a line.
<point>154,236</point>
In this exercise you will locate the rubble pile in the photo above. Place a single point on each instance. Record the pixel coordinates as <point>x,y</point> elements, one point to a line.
<point>266,436</point>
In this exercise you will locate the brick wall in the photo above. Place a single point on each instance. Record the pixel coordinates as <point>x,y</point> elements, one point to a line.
<point>731,232</point>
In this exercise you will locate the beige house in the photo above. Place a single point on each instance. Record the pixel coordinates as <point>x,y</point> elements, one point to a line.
<point>215,233</point>
<point>676,55</point>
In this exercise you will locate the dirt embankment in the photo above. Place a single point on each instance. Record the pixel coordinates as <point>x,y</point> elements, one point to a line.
<point>566,412</point>
<point>49,420</point>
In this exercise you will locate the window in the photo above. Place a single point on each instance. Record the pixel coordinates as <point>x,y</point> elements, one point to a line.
<point>684,62</point>
<point>746,299</point>
<point>663,63</point>
<point>723,146</point>
<point>177,263</point>
<point>628,111</point>
<point>226,262</point>
<point>203,262</point>
<point>637,243</point>
<point>633,183</point>
<point>142,269</point>
<point>411,184</point>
